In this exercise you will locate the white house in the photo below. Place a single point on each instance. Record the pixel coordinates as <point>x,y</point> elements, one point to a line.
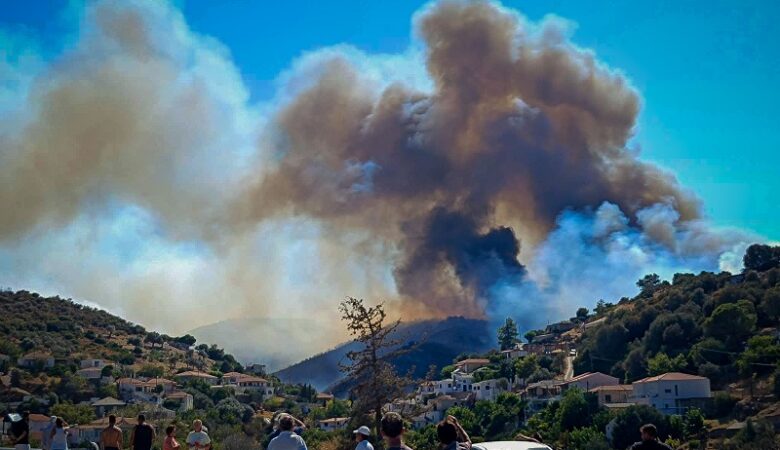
<point>34,359</point>
<point>151,390</point>
<point>518,351</point>
<point>255,384</point>
<point>338,423</point>
<point>91,431</point>
<point>666,392</point>
<point>590,380</point>
<point>91,363</point>
<point>608,395</point>
<point>192,375</point>
<point>489,389</point>
<point>182,399</point>
<point>107,405</point>
<point>90,373</point>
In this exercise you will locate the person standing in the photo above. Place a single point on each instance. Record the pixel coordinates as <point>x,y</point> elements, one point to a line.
<point>143,435</point>
<point>198,438</point>
<point>392,427</point>
<point>111,436</point>
<point>59,435</point>
<point>170,442</point>
<point>451,435</point>
<point>287,439</point>
<point>361,437</point>
<point>649,441</point>
<point>21,431</point>
<point>46,435</point>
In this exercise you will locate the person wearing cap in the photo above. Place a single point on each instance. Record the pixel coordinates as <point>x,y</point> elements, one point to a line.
<point>361,437</point>
<point>21,432</point>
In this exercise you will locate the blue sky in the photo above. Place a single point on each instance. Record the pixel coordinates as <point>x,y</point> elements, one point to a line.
<point>706,70</point>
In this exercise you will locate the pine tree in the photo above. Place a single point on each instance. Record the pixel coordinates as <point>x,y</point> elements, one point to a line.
<point>507,334</point>
<point>375,380</point>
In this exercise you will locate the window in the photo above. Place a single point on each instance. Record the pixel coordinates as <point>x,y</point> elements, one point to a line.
<point>607,398</point>
<point>487,388</point>
<point>668,391</point>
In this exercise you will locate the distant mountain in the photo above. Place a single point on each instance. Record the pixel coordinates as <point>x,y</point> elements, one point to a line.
<point>438,343</point>
<point>276,343</point>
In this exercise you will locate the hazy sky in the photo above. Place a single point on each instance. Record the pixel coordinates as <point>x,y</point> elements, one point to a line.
<point>128,128</point>
<point>706,70</point>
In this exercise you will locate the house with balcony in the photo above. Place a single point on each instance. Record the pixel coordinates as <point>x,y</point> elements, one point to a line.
<point>609,395</point>
<point>489,389</point>
<point>179,400</point>
<point>672,392</point>
<point>471,364</point>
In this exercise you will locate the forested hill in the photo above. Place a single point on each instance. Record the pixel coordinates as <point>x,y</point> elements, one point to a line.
<point>71,331</point>
<point>722,326</point>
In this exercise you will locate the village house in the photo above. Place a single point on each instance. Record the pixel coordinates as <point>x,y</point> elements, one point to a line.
<point>590,380</point>
<point>191,375</point>
<point>90,373</point>
<point>150,390</point>
<point>613,394</point>
<point>338,423</point>
<point>323,398</point>
<point>36,359</point>
<point>106,406</point>
<point>516,352</point>
<point>670,392</point>
<point>91,363</point>
<point>539,394</point>
<point>489,389</point>
<point>254,384</point>
<point>180,400</point>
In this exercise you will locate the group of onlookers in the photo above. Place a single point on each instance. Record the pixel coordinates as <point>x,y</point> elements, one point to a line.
<point>142,437</point>
<point>285,436</point>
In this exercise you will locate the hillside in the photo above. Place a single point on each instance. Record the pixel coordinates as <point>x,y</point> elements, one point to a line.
<point>438,342</point>
<point>70,332</point>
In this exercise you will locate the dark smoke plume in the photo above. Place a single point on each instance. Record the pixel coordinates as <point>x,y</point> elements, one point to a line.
<point>521,125</point>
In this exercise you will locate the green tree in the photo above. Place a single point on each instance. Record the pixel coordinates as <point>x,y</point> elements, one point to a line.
<point>375,380</point>
<point>151,371</point>
<point>649,284</point>
<point>586,439</point>
<point>573,411</point>
<point>582,314</point>
<point>662,363</point>
<point>694,422</point>
<point>74,414</point>
<point>507,334</point>
<point>761,257</point>
<point>770,304</point>
<point>627,422</point>
<point>526,366</point>
<point>761,355</point>
<point>731,323</point>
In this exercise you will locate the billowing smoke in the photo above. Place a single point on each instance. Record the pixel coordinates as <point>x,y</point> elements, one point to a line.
<point>135,173</point>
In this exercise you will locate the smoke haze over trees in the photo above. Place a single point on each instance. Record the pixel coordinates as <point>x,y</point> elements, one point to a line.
<point>491,172</point>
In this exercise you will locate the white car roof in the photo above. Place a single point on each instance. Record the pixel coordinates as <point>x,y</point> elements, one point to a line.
<point>510,445</point>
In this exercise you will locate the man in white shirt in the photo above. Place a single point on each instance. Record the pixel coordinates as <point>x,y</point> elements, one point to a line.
<point>198,438</point>
<point>361,437</point>
<point>287,439</point>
